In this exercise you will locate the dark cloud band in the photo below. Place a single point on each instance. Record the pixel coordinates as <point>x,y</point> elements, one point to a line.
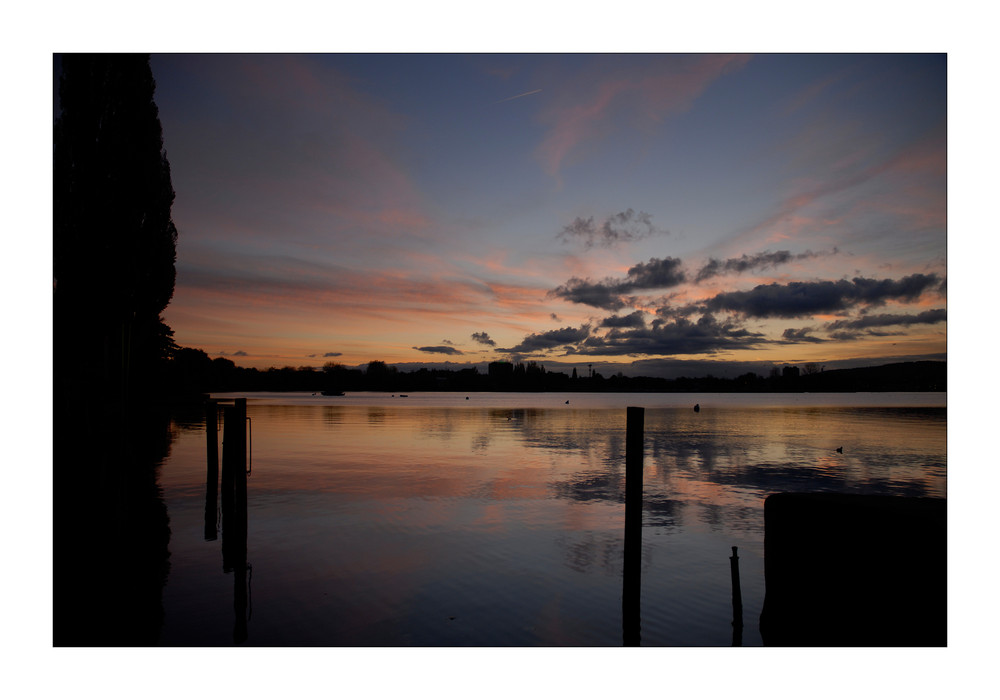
<point>799,299</point>
<point>758,261</point>
<point>609,294</point>
<point>440,349</point>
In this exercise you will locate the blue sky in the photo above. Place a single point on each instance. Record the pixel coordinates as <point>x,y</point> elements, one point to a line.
<point>410,208</point>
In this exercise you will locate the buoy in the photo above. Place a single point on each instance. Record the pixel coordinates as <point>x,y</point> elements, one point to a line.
<point>840,450</point>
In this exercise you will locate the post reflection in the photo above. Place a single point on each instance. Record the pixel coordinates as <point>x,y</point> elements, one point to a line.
<point>632,572</point>
<point>212,472</point>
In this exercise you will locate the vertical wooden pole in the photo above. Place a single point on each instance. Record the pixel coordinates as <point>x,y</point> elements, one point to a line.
<point>240,463</point>
<point>734,569</point>
<point>229,440</point>
<point>631,586</point>
<point>234,510</point>
<point>212,470</point>
<point>239,552</point>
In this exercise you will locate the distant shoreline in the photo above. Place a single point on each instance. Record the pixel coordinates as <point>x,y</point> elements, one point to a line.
<point>919,376</point>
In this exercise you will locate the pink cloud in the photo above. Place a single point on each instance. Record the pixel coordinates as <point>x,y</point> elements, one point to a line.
<point>301,149</point>
<point>813,91</point>
<point>908,183</point>
<point>672,88</point>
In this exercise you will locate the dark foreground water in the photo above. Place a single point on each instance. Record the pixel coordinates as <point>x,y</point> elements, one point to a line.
<point>498,519</point>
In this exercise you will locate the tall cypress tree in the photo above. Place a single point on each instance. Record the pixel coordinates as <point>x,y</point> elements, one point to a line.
<point>114,240</point>
<point>113,270</point>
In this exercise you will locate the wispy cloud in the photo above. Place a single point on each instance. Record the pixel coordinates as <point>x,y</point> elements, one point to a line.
<point>801,335</point>
<point>930,316</point>
<point>581,112</point>
<point>523,94</point>
<point>293,150</point>
<point>757,261</point>
<point>623,227</point>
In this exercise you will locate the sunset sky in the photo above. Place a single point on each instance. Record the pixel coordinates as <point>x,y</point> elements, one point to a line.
<point>656,214</point>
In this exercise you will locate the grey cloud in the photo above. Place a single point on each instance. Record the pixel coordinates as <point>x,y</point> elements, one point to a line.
<point>624,226</point>
<point>798,299</point>
<point>878,320</point>
<point>633,320</point>
<point>442,349</point>
<point>655,274</point>
<point>680,336</point>
<point>800,335</point>
<point>758,261</point>
<point>537,342</point>
<point>908,288</point>
<point>331,354</point>
<point>601,295</point>
<point>484,339</point>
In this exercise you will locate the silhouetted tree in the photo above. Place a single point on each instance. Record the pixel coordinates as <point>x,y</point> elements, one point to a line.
<point>114,249</point>
<point>114,241</point>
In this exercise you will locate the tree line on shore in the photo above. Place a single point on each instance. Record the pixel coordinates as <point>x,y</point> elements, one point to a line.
<point>191,372</point>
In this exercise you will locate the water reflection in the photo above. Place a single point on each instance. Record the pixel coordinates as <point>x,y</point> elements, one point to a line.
<point>111,531</point>
<point>379,524</point>
<point>211,472</point>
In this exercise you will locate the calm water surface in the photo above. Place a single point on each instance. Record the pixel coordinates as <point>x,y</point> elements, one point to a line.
<point>497,519</point>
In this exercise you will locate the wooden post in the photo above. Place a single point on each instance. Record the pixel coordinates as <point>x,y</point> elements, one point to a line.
<point>240,464</point>
<point>234,510</point>
<point>632,573</point>
<point>229,440</point>
<point>239,551</point>
<point>212,471</point>
<point>734,570</point>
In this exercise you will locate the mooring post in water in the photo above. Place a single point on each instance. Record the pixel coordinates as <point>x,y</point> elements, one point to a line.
<point>240,464</point>
<point>734,568</point>
<point>212,471</point>
<point>234,509</point>
<point>239,551</point>
<point>234,482</point>
<point>632,572</point>
<point>229,440</point>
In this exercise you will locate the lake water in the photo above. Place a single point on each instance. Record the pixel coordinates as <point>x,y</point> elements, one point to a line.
<point>497,519</point>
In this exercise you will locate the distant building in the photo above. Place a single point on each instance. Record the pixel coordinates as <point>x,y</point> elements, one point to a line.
<point>501,369</point>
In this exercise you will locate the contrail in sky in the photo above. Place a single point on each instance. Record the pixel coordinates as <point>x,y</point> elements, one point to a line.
<point>523,94</point>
